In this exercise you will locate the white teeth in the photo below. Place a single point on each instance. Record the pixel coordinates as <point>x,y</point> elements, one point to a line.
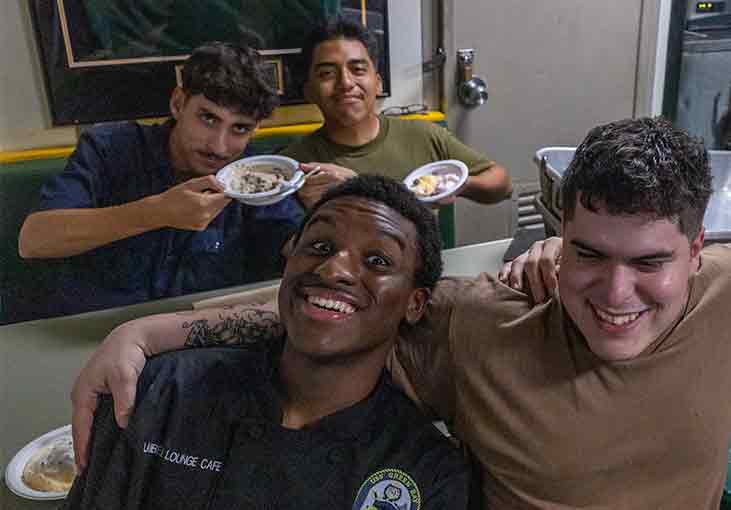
<point>618,319</point>
<point>331,304</point>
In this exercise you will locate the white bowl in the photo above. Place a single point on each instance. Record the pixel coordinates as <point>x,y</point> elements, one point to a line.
<point>446,166</point>
<point>288,166</point>
<point>284,192</point>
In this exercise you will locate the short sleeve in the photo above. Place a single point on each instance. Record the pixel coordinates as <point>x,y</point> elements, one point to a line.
<point>425,352</point>
<point>79,185</point>
<point>453,148</point>
<point>306,149</point>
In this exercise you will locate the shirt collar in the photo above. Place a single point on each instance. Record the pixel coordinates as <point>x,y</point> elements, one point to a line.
<point>355,151</point>
<point>357,422</point>
<point>158,143</point>
<point>360,421</point>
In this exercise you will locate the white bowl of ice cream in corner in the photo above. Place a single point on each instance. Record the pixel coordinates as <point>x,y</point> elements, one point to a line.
<point>438,180</point>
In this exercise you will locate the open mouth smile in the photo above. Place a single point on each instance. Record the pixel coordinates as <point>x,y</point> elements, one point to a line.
<point>349,99</point>
<point>617,319</point>
<point>327,304</point>
<point>331,304</point>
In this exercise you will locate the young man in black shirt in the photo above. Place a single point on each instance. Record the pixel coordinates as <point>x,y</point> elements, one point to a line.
<point>308,418</point>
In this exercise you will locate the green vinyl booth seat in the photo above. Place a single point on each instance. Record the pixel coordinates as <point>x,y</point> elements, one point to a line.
<point>20,184</point>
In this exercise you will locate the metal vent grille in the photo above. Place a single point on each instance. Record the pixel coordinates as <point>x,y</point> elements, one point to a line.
<point>528,215</point>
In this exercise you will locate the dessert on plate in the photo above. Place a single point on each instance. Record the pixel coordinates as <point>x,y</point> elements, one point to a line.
<point>51,468</point>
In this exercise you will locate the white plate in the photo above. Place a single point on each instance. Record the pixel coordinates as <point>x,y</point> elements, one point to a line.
<point>446,166</point>
<point>14,471</point>
<point>289,166</point>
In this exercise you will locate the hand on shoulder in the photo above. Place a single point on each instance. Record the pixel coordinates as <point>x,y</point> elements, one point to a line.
<point>536,270</point>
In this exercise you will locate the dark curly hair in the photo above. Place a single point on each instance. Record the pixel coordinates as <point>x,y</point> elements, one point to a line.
<point>231,76</point>
<point>641,166</point>
<point>396,196</point>
<point>338,28</point>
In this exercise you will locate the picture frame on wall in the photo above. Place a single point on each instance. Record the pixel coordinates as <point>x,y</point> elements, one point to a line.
<point>107,60</point>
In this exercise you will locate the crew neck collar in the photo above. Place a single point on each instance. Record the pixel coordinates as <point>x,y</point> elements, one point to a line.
<point>383,127</point>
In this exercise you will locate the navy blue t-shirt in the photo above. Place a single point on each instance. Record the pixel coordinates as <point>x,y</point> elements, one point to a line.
<point>122,162</point>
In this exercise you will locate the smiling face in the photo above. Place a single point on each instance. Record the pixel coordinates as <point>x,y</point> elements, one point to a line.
<point>349,281</point>
<point>206,136</point>
<point>624,279</point>
<point>343,82</point>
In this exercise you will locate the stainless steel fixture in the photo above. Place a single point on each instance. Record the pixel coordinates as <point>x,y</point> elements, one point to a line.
<point>472,90</point>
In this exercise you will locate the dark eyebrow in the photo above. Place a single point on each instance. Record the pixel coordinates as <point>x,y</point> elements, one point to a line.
<point>659,255</point>
<point>320,218</point>
<point>205,110</point>
<point>324,64</point>
<point>247,124</point>
<point>583,246</point>
<point>355,61</point>
<point>324,218</point>
<point>397,239</point>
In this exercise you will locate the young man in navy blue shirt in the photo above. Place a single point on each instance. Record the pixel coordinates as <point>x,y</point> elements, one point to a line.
<point>138,210</point>
<point>300,418</point>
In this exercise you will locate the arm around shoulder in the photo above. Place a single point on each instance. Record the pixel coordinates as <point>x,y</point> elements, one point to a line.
<point>118,361</point>
<point>117,364</point>
<point>423,363</point>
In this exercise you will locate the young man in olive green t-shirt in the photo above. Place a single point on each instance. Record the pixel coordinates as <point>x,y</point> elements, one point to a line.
<point>342,81</point>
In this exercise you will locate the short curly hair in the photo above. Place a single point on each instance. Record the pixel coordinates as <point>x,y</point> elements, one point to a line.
<point>641,166</point>
<point>231,76</point>
<point>396,196</point>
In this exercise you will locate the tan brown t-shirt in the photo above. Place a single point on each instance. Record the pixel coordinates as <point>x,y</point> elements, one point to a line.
<point>555,427</point>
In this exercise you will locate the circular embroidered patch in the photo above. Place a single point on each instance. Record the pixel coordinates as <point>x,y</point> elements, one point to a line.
<point>388,489</point>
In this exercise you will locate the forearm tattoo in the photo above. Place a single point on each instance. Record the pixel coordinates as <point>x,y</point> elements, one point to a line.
<point>236,327</point>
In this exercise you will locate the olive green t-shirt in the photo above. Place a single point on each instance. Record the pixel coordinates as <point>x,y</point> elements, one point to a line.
<point>553,426</point>
<point>400,147</point>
